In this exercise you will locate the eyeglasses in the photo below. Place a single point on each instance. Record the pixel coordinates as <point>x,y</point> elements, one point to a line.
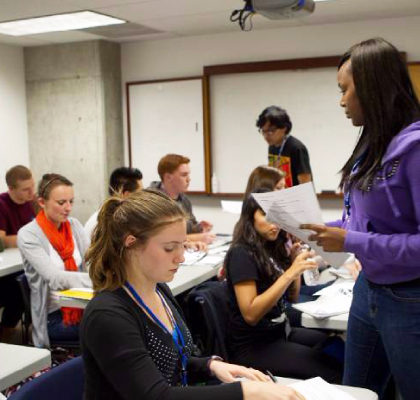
<point>268,131</point>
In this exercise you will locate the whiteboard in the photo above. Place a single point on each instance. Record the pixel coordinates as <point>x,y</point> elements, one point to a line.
<point>310,97</point>
<point>167,117</point>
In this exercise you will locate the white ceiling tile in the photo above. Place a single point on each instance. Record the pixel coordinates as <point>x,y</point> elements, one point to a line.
<point>17,9</point>
<point>192,17</point>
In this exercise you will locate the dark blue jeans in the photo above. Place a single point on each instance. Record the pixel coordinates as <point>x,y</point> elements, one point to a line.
<point>57,331</point>
<point>383,338</point>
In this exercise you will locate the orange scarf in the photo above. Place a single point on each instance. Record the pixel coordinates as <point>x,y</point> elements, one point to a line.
<point>62,241</point>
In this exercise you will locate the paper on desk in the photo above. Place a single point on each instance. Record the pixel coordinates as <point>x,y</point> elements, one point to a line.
<point>191,257</point>
<point>233,207</point>
<point>343,288</point>
<point>341,272</point>
<point>326,306</point>
<point>318,389</point>
<point>77,293</point>
<point>211,260</point>
<point>292,207</point>
<point>219,250</point>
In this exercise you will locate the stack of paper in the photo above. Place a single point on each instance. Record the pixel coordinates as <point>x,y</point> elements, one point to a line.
<point>326,306</point>
<point>292,207</point>
<point>77,293</point>
<point>336,289</point>
<point>318,389</point>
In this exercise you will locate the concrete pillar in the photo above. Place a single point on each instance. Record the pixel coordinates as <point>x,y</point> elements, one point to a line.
<point>74,111</point>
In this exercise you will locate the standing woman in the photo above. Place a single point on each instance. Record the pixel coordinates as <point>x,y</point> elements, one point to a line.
<point>135,343</point>
<point>380,225</point>
<point>53,247</point>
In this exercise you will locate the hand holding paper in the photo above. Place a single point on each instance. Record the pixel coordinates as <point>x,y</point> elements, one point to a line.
<point>330,239</point>
<point>293,207</point>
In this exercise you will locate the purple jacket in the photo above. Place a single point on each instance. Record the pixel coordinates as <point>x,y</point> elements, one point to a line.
<point>384,223</point>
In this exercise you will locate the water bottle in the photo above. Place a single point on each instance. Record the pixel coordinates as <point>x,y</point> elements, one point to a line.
<point>311,276</point>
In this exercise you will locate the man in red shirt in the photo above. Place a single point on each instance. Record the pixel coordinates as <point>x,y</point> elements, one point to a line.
<point>16,210</point>
<point>16,205</point>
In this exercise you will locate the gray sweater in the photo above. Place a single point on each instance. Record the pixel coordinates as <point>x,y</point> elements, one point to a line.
<point>44,276</point>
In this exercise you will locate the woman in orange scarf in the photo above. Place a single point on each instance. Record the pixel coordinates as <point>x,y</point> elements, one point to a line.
<point>53,248</point>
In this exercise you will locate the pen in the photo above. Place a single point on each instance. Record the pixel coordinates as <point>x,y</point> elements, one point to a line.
<point>272,377</point>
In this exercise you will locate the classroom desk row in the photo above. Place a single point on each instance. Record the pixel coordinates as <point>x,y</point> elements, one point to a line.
<point>186,278</point>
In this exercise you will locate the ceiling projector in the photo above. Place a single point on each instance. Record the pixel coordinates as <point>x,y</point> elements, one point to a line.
<point>278,9</point>
<point>271,9</point>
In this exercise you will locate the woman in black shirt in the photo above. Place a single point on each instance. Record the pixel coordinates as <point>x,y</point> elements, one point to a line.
<point>260,274</point>
<point>135,343</point>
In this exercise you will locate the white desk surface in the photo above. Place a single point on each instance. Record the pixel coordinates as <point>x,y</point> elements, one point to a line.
<point>186,278</point>
<point>20,362</point>
<point>357,393</point>
<point>11,262</point>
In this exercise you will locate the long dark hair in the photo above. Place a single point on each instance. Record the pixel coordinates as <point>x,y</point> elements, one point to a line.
<point>264,252</point>
<point>387,100</point>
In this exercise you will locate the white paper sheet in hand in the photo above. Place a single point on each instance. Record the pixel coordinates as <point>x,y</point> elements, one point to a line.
<point>318,389</point>
<point>292,207</point>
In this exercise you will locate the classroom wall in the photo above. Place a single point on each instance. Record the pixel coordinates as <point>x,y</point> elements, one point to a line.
<point>13,126</point>
<point>183,57</point>
<point>74,116</point>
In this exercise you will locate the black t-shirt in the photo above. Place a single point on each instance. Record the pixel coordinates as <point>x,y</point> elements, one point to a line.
<point>241,266</point>
<point>128,357</point>
<point>293,160</point>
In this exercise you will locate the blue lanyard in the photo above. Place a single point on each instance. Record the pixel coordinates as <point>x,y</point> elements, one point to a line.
<point>347,195</point>
<point>282,147</point>
<point>177,336</point>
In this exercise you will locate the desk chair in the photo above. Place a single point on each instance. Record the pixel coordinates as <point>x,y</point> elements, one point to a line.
<point>27,317</point>
<point>64,382</point>
<point>208,303</point>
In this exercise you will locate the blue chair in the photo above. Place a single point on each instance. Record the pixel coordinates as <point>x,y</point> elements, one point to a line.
<point>64,382</point>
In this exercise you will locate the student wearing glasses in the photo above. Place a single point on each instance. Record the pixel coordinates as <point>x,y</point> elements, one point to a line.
<point>53,246</point>
<point>285,152</point>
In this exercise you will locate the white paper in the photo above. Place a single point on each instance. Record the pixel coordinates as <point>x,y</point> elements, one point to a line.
<point>211,260</point>
<point>219,250</point>
<point>343,288</point>
<point>341,272</point>
<point>233,207</point>
<point>191,257</point>
<point>219,242</point>
<point>318,389</point>
<point>289,208</point>
<point>326,306</point>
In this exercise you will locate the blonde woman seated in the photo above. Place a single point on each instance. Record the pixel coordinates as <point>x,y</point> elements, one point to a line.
<point>135,343</point>
<point>53,247</point>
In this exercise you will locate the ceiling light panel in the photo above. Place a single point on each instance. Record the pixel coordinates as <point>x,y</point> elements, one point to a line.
<point>57,23</point>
